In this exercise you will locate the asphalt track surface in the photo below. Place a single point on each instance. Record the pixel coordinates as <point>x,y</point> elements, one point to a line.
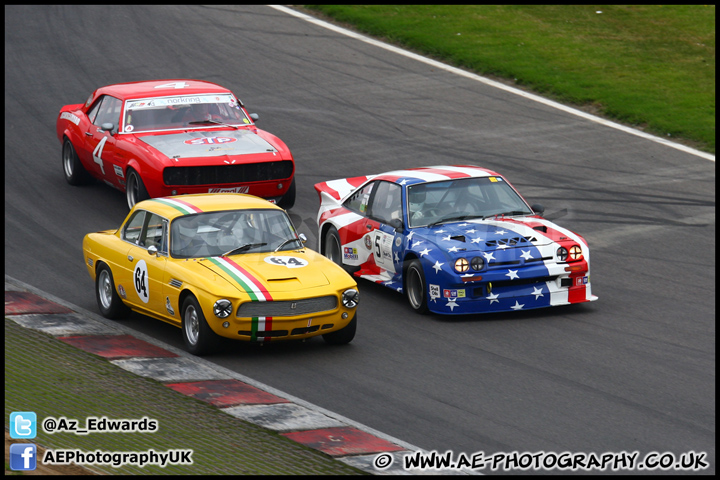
<point>634,371</point>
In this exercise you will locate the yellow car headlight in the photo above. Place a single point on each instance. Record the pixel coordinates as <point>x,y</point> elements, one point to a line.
<point>350,298</point>
<point>222,308</point>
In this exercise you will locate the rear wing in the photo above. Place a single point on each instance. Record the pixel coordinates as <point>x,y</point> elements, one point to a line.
<point>336,190</point>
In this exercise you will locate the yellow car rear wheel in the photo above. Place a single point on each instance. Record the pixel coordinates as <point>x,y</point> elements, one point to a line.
<point>109,302</point>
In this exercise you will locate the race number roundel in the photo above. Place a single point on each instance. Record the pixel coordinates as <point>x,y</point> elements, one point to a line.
<point>140,280</point>
<point>289,262</point>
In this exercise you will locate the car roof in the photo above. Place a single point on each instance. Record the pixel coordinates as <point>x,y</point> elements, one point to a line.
<point>179,205</point>
<point>438,173</point>
<point>160,88</point>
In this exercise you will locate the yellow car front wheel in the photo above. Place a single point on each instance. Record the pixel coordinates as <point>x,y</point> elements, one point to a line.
<point>198,336</point>
<point>344,335</point>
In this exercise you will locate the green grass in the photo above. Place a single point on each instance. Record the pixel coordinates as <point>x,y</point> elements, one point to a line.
<point>53,379</point>
<point>649,66</point>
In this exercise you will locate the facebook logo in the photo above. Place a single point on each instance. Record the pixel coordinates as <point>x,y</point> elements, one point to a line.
<point>23,456</point>
<point>23,425</point>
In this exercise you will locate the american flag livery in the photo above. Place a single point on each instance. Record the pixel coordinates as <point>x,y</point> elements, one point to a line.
<point>502,257</point>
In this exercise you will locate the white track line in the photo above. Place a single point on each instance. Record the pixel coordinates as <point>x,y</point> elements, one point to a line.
<point>493,83</point>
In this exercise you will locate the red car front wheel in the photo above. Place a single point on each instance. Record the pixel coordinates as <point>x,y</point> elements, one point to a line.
<point>135,191</point>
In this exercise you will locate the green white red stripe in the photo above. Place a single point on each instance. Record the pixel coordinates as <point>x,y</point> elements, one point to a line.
<point>254,287</point>
<point>260,324</point>
<point>179,205</point>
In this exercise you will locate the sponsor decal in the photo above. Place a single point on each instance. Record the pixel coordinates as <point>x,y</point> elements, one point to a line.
<point>452,293</point>
<point>168,306</point>
<point>229,190</point>
<point>368,242</point>
<point>118,171</point>
<point>209,140</point>
<point>350,253</point>
<point>129,128</point>
<point>398,241</point>
<point>434,291</point>
<point>69,116</point>
<point>581,280</point>
<point>121,292</point>
<point>289,262</point>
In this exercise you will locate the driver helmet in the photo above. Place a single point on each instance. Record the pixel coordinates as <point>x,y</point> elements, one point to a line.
<point>186,229</point>
<point>416,197</point>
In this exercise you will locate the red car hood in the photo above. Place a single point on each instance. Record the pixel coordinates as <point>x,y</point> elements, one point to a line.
<point>192,144</point>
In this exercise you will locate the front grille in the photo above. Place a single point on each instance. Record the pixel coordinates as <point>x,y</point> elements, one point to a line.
<point>304,330</point>
<point>264,333</point>
<point>287,308</point>
<point>226,174</point>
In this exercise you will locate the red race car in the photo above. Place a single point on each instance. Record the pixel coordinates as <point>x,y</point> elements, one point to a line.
<point>170,137</point>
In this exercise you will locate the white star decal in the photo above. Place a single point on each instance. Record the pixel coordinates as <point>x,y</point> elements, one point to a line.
<point>502,246</point>
<point>493,298</point>
<point>440,231</point>
<point>403,181</point>
<point>463,225</point>
<point>425,252</point>
<point>517,306</point>
<point>526,255</point>
<point>512,274</point>
<point>397,259</point>
<point>451,303</point>
<point>472,230</point>
<point>410,235</point>
<point>416,244</point>
<point>537,292</point>
<point>477,240</point>
<point>500,232</point>
<point>488,256</point>
<point>453,249</point>
<point>446,239</point>
<point>438,266</point>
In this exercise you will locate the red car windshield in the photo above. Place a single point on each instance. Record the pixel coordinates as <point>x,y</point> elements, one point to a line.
<point>182,112</point>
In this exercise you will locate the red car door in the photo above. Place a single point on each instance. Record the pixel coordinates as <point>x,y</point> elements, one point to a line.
<point>99,152</point>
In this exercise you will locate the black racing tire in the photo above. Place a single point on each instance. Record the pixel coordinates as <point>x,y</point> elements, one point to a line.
<point>75,173</point>
<point>332,246</point>
<point>415,287</point>
<point>332,249</point>
<point>109,302</point>
<point>135,188</point>
<point>197,335</point>
<point>344,335</point>
<point>288,200</point>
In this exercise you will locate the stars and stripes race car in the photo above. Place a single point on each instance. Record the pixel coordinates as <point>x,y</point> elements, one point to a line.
<point>454,239</point>
<point>229,265</point>
<point>170,137</point>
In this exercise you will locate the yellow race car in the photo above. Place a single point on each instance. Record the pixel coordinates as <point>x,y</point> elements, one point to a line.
<point>229,265</point>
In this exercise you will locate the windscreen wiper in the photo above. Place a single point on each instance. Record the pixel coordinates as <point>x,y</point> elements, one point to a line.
<point>242,248</point>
